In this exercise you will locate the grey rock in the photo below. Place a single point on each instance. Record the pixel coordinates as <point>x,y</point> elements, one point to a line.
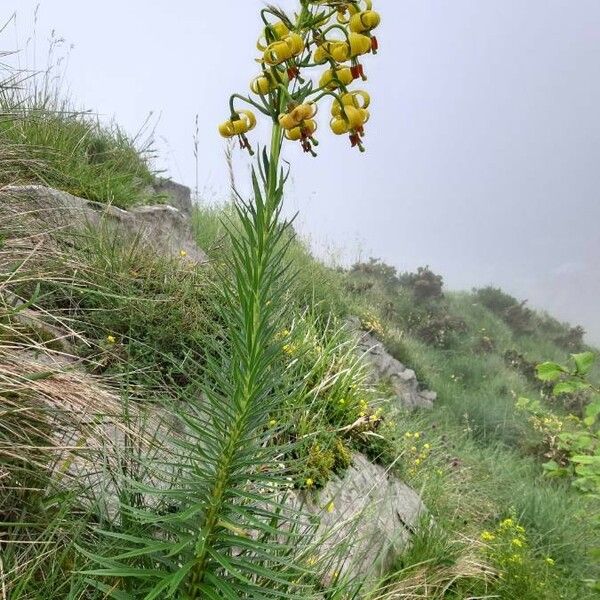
<point>385,367</point>
<point>373,518</point>
<point>163,228</point>
<point>177,195</point>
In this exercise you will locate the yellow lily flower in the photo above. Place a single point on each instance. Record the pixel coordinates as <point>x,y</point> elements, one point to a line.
<point>364,21</point>
<point>335,50</point>
<point>332,78</point>
<point>299,125</point>
<point>355,119</point>
<point>267,82</point>
<point>277,52</point>
<point>244,122</point>
<point>289,46</point>
<point>356,98</point>
<point>350,115</point>
<point>352,9</point>
<point>359,44</point>
<point>277,30</point>
<point>297,115</point>
<point>240,124</point>
<point>305,130</point>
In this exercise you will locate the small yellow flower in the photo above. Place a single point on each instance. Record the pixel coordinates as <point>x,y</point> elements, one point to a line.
<point>487,536</point>
<point>309,482</point>
<point>427,446</point>
<point>417,435</point>
<point>111,339</point>
<point>330,507</point>
<point>517,542</point>
<point>417,461</point>
<point>182,253</point>
<point>408,434</point>
<point>312,561</point>
<point>272,423</point>
<point>507,523</point>
<point>515,558</point>
<point>550,561</point>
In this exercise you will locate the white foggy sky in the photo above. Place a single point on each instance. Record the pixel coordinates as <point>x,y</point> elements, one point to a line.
<point>483,146</point>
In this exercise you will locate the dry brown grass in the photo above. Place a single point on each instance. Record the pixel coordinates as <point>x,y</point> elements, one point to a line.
<point>430,582</point>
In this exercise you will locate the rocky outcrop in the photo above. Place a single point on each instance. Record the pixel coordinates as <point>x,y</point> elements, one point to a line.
<point>163,228</point>
<point>369,513</point>
<point>176,195</point>
<point>385,367</point>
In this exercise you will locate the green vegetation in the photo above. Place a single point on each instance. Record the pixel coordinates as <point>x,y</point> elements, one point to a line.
<point>483,460</point>
<point>116,434</point>
<point>44,140</point>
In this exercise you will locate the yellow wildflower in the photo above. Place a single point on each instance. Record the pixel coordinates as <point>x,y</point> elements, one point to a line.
<point>550,561</point>
<point>518,542</point>
<point>111,339</point>
<point>182,253</point>
<point>309,482</point>
<point>487,536</point>
<point>330,507</point>
<point>272,423</point>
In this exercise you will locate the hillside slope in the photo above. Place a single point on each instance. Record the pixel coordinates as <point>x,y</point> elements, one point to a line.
<point>108,332</point>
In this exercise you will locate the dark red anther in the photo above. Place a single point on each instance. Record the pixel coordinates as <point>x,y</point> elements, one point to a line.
<point>354,139</point>
<point>355,71</point>
<point>374,44</point>
<point>293,72</point>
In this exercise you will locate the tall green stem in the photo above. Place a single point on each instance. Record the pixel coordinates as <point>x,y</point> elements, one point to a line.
<point>253,276</point>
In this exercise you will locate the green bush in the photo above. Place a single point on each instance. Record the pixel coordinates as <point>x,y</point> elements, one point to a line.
<point>425,284</point>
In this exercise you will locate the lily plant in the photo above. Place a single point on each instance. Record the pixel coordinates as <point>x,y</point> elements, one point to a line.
<point>220,526</point>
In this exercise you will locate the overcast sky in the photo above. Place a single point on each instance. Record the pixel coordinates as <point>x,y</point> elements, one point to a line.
<point>483,146</point>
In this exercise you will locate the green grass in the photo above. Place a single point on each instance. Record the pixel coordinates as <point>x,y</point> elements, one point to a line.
<point>46,141</point>
<point>147,327</point>
<point>483,464</point>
